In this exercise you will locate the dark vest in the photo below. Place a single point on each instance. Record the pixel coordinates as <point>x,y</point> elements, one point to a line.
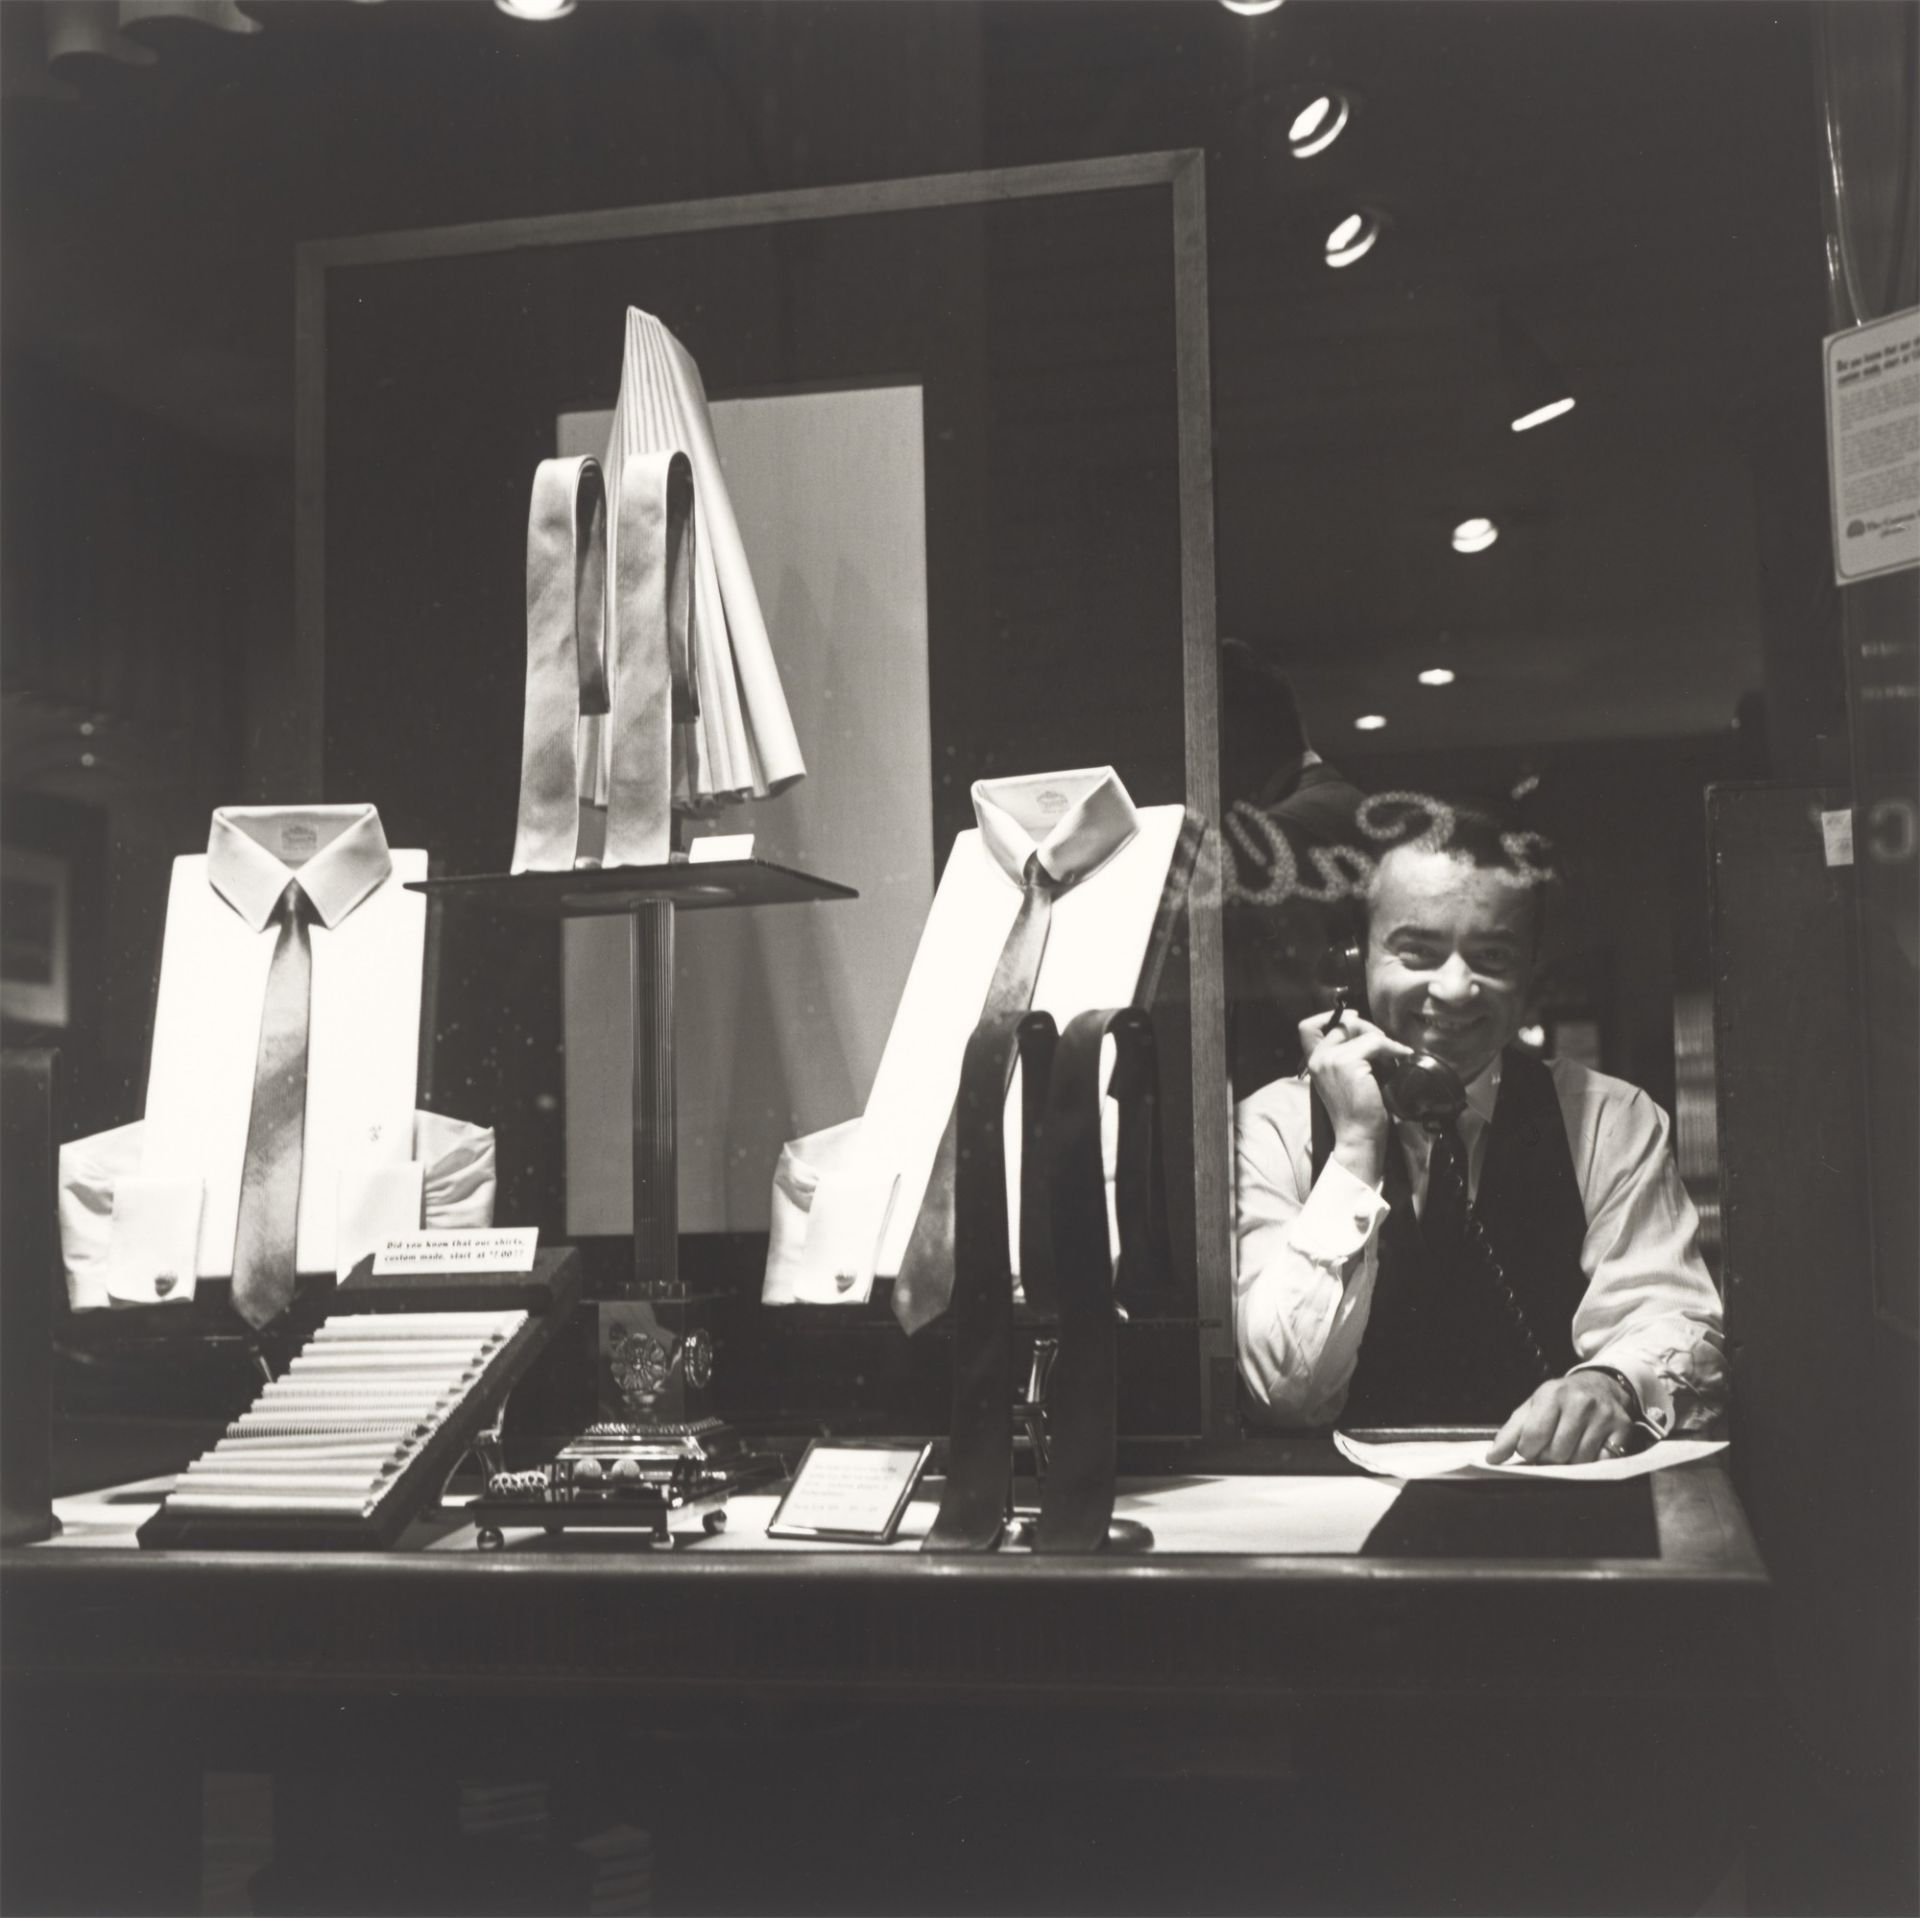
<point>1440,1346</point>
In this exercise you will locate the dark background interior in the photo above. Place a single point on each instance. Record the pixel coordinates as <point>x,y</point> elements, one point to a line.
<point>1651,613</point>
<point>1633,186</point>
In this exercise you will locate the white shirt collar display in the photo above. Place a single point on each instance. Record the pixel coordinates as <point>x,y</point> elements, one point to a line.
<point>1086,829</point>
<point>368,951</point>
<point>338,853</point>
<point>1075,821</point>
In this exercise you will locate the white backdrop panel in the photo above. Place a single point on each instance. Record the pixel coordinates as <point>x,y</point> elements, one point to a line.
<point>782,1012</point>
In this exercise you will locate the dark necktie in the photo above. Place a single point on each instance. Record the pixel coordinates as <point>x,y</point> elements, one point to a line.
<point>263,1246</point>
<point>1443,1220</point>
<point>925,1284</point>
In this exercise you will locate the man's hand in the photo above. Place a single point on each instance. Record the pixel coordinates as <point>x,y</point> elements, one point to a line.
<point>1569,1421</point>
<point>1339,1048</point>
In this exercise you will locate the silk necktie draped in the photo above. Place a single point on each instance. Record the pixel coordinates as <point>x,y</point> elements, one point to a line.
<point>264,1241</point>
<point>618,640</point>
<point>925,1283</point>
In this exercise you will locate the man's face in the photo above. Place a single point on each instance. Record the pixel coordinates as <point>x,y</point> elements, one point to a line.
<point>1449,956</point>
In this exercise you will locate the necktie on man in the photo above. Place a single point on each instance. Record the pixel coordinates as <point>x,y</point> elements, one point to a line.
<point>264,1243</point>
<point>1443,1219</point>
<point>925,1284</point>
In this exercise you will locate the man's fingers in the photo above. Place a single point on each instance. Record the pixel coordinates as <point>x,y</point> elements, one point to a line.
<point>1538,1419</point>
<point>1563,1446</point>
<point>1506,1438</point>
<point>1558,1427</point>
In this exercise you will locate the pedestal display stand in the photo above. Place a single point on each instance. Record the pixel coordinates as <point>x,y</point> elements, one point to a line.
<point>655,1356</point>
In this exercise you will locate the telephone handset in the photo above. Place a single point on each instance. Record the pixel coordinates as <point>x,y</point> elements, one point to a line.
<point>1421,1089</point>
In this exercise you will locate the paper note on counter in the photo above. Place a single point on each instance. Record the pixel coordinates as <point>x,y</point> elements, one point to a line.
<point>1467,1458</point>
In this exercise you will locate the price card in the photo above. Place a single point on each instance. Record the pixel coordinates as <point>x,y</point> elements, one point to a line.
<point>850,1489</point>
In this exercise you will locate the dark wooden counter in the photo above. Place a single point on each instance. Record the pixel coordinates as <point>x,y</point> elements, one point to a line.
<point>1474,1640</point>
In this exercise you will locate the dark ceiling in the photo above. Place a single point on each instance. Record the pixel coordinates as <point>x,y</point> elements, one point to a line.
<point>1631,184</point>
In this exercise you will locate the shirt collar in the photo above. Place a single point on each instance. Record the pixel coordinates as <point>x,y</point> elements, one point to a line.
<point>1484,1091</point>
<point>1075,821</point>
<point>338,854</point>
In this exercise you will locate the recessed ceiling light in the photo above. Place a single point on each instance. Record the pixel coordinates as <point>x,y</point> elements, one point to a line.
<point>1369,722</point>
<point>535,9</point>
<point>1437,676</point>
<point>1250,9</point>
<point>1542,414</point>
<point>1353,238</point>
<point>1474,535</point>
<point>1534,1036</point>
<point>1318,124</point>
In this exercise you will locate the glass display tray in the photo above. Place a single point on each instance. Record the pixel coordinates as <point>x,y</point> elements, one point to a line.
<point>601,891</point>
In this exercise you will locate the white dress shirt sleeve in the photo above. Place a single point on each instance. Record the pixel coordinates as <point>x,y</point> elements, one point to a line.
<point>1307,1253</point>
<point>1651,1312</point>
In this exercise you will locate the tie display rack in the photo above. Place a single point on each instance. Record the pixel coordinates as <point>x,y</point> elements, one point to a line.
<point>417,1463</point>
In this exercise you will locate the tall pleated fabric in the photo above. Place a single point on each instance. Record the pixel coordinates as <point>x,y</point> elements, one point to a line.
<point>732,736</point>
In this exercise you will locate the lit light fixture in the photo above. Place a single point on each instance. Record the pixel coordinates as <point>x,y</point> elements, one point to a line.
<point>1318,124</point>
<point>1533,1036</point>
<point>1369,722</point>
<point>1474,535</point>
<point>1542,414</point>
<point>88,759</point>
<point>1353,239</point>
<point>1251,9</point>
<point>1437,676</point>
<point>535,9</point>
<point>1534,389</point>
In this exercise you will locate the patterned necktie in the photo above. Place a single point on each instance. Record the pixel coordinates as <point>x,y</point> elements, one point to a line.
<point>925,1284</point>
<point>1443,1219</point>
<point>263,1246</point>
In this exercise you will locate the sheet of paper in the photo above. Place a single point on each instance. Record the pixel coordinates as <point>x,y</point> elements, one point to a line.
<point>1467,1458</point>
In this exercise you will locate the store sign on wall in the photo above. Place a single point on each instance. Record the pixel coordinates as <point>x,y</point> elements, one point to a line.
<point>1873,446</point>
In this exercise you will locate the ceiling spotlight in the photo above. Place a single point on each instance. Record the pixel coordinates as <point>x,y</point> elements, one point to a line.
<point>535,9</point>
<point>1251,9</point>
<point>1437,676</point>
<point>1542,414</point>
<point>1369,722</point>
<point>1318,124</point>
<point>1474,535</point>
<point>1352,239</point>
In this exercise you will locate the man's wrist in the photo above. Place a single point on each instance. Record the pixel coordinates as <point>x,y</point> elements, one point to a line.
<point>1364,1154</point>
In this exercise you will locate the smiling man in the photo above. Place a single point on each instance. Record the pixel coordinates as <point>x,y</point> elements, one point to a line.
<point>1532,1267</point>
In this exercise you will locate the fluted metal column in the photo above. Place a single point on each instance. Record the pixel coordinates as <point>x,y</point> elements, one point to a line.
<point>656,1195</point>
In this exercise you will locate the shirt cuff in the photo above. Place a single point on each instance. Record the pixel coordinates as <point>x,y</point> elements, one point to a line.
<point>1656,1399</point>
<point>1340,1216</point>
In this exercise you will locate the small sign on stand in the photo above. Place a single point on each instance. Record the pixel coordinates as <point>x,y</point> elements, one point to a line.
<point>853,1489</point>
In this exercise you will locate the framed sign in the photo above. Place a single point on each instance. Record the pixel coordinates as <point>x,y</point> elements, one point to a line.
<point>854,1489</point>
